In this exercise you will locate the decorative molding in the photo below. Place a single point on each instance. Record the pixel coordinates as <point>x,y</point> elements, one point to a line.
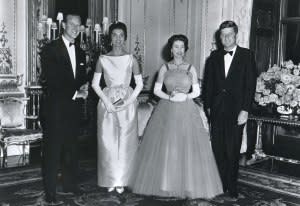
<point>14,38</point>
<point>6,63</point>
<point>264,19</point>
<point>242,16</point>
<point>10,83</point>
<point>8,36</point>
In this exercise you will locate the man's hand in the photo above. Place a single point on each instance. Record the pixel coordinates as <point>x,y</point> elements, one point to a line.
<point>82,94</point>
<point>83,91</point>
<point>242,118</point>
<point>84,87</point>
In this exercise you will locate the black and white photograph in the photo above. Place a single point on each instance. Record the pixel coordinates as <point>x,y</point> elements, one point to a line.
<point>150,102</point>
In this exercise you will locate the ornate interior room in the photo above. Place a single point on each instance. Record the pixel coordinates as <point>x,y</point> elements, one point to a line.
<point>269,172</point>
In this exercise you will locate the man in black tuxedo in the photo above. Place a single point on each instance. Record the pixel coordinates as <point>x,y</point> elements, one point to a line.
<point>64,84</point>
<point>228,91</point>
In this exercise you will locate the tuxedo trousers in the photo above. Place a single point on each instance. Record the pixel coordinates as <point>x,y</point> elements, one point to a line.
<point>226,138</point>
<point>60,147</point>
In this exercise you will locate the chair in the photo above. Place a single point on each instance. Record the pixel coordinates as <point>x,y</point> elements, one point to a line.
<point>12,130</point>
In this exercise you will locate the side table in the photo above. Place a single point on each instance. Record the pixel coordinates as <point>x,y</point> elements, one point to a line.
<point>274,121</point>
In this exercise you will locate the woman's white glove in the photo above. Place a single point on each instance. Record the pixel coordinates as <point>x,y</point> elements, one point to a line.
<point>138,88</point>
<point>195,92</point>
<point>95,85</point>
<point>109,106</point>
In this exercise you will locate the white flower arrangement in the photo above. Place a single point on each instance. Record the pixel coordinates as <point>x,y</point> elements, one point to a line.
<point>280,86</point>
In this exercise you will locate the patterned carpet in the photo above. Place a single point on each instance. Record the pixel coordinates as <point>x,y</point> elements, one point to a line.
<point>23,187</point>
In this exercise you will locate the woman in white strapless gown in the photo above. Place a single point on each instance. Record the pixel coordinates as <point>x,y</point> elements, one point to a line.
<point>117,112</point>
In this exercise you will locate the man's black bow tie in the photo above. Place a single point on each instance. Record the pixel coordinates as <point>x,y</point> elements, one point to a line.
<point>71,44</point>
<point>227,52</point>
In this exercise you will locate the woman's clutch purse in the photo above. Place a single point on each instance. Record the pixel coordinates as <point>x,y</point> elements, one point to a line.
<point>119,102</point>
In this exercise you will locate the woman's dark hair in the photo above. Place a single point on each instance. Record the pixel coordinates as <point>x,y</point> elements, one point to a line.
<point>166,50</point>
<point>229,24</point>
<point>117,25</point>
<point>178,37</point>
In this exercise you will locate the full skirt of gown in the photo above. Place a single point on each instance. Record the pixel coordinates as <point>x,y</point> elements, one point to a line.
<point>175,158</point>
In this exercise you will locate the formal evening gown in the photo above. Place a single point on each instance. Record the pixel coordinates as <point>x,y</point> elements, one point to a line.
<point>117,131</point>
<point>175,158</point>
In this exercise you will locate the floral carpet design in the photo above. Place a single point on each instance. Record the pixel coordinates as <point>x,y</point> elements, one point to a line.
<point>24,188</point>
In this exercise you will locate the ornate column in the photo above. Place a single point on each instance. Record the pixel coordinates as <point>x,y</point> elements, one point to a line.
<point>36,10</point>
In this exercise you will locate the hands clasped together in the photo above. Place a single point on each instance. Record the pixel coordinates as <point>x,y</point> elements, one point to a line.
<point>178,96</point>
<point>116,106</point>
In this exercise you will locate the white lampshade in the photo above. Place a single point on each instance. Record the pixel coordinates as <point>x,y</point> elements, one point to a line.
<point>97,27</point>
<point>88,22</point>
<point>60,16</point>
<point>49,21</point>
<point>82,28</point>
<point>105,20</point>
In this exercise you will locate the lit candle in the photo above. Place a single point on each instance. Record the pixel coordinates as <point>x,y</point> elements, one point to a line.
<point>49,23</point>
<point>105,25</point>
<point>82,28</point>
<point>97,30</point>
<point>59,17</point>
<point>53,27</point>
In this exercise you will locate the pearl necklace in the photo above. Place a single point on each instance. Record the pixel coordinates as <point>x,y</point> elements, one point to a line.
<point>178,65</point>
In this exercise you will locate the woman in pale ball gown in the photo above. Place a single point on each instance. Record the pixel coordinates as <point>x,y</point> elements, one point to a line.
<point>117,131</point>
<point>175,158</point>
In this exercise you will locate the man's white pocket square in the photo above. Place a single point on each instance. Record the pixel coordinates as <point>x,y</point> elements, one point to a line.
<point>81,64</point>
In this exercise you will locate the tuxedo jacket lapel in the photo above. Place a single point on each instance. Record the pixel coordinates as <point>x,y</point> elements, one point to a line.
<point>221,64</point>
<point>78,61</point>
<point>234,62</point>
<point>66,57</point>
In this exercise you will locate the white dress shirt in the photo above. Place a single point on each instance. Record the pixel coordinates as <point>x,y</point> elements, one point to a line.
<point>228,59</point>
<point>72,55</point>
